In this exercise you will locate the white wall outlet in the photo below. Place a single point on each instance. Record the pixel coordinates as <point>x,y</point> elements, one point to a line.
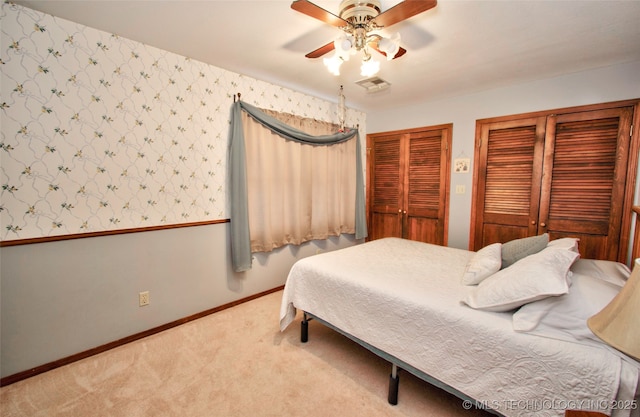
<point>143,298</point>
<point>460,189</point>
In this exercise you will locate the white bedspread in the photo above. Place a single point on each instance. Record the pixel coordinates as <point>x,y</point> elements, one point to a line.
<point>403,297</point>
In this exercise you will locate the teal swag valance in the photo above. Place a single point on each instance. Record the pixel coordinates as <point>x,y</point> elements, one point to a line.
<point>240,236</point>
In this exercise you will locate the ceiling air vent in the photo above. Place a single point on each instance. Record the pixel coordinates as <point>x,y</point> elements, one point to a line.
<point>374,84</point>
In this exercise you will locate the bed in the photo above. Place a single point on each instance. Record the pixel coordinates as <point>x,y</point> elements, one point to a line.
<point>412,303</point>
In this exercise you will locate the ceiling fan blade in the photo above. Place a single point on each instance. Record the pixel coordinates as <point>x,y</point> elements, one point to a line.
<point>400,52</point>
<point>315,11</point>
<point>402,11</point>
<point>321,51</point>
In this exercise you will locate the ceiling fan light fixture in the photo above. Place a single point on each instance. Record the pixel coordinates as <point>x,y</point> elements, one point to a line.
<point>390,46</point>
<point>359,12</point>
<point>333,63</point>
<point>359,20</point>
<point>343,45</point>
<point>369,67</point>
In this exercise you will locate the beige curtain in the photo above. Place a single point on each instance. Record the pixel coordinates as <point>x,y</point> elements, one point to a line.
<point>297,192</point>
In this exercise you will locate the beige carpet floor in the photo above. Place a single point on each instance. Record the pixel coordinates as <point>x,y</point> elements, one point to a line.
<point>232,363</point>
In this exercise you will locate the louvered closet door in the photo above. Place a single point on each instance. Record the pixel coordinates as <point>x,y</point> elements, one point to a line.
<point>386,182</point>
<point>425,182</point>
<point>508,175</point>
<point>408,184</point>
<point>586,155</point>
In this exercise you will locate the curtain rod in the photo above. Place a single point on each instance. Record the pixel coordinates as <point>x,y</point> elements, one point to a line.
<point>238,94</point>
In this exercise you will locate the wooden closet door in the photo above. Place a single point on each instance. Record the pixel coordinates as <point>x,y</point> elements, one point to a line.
<point>408,183</point>
<point>426,188</point>
<point>386,186</point>
<point>507,180</point>
<point>583,187</point>
<point>586,158</point>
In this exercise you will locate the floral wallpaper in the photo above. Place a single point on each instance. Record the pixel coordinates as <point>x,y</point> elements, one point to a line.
<point>102,133</point>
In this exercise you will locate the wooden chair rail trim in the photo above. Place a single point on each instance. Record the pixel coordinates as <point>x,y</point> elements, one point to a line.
<point>18,242</point>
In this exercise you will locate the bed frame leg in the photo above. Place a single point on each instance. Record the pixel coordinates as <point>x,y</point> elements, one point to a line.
<point>394,382</point>
<point>304,329</point>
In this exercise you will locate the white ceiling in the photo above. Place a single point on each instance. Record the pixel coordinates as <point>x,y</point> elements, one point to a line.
<point>456,48</point>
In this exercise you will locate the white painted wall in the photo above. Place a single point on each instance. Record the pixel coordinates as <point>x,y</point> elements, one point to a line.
<point>66,297</point>
<point>602,85</point>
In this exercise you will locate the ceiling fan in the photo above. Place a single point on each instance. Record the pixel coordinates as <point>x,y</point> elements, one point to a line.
<point>359,20</point>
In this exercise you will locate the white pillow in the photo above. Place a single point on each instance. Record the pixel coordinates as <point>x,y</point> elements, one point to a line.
<point>532,278</point>
<point>614,272</point>
<point>482,264</point>
<point>569,243</point>
<point>567,314</point>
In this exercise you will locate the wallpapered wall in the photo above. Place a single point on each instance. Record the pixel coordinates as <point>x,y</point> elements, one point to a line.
<point>104,133</point>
